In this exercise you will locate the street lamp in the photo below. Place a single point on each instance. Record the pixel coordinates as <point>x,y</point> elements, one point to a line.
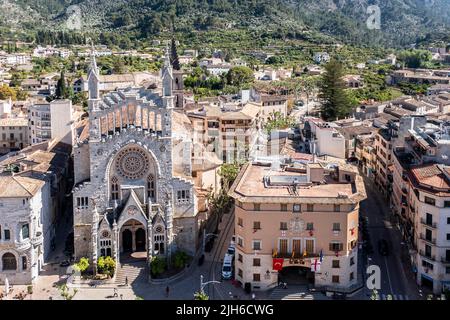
<point>205,235</point>
<point>203,284</point>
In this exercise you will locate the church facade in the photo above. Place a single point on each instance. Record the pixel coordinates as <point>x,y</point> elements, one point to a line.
<point>129,195</point>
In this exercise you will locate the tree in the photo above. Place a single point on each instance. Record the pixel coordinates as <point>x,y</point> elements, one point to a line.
<point>180,259</point>
<point>158,265</point>
<point>62,91</point>
<point>415,58</point>
<point>174,56</point>
<point>106,265</point>
<point>82,265</point>
<point>7,92</point>
<point>228,172</point>
<point>240,76</point>
<point>201,296</point>
<point>65,292</point>
<point>277,121</point>
<point>335,102</point>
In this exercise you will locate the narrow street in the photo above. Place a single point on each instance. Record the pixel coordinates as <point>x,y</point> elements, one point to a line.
<point>397,279</point>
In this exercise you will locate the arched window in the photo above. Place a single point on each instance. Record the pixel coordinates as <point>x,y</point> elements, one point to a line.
<point>151,187</point>
<point>159,240</point>
<point>9,261</point>
<point>114,188</point>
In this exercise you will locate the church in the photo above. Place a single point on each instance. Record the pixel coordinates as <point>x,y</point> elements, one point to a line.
<point>141,183</point>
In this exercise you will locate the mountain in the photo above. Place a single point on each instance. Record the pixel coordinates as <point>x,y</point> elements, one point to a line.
<point>402,21</point>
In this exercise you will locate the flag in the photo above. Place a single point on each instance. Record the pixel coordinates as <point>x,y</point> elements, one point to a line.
<point>305,253</point>
<point>275,253</point>
<point>321,256</point>
<point>277,264</point>
<point>315,265</point>
<point>293,254</point>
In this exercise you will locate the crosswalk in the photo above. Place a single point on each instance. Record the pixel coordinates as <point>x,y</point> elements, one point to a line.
<point>291,294</point>
<point>393,297</point>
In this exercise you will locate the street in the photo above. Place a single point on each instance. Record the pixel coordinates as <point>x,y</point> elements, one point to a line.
<point>396,277</point>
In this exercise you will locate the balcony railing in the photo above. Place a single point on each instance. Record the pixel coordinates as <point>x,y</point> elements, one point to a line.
<point>294,255</point>
<point>429,224</point>
<point>427,256</point>
<point>424,238</point>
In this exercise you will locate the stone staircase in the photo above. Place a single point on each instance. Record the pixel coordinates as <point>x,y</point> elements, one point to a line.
<point>134,271</point>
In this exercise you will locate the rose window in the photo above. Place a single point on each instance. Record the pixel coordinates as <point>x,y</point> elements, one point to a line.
<point>132,163</point>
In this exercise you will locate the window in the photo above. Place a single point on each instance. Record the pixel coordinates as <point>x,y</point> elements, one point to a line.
<point>24,263</point>
<point>9,261</point>
<point>428,234</point>
<point>352,276</point>
<point>256,225</point>
<point>240,241</point>
<point>256,244</point>
<point>448,220</point>
<point>447,270</point>
<point>240,257</point>
<point>335,264</point>
<point>429,219</point>
<point>310,226</point>
<point>335,279</point>
<point>240,222</point>
<point>183,195</point>
<point>7,235</point>
<point>352,261</point>
<point>427,265</point>
<point>256,277</point>
<point>257,262</point>
<point>430,201</point>
<point>151,187</point>
<point>240,273</point>
<point>309,207</point>
<point>297,208</point>
<point>283,246</point>
<point>448,236</point>
<point>82,202</point>
<point>309,246</point>
<point>0,232</point>
<point>256,207</point>
<point>25,231</point>
<point>447,204</point>
<point>336,246</point>
<point>283,207</point>
<point>283,226</point>
<point>336,226</point>
<point>337,208</point>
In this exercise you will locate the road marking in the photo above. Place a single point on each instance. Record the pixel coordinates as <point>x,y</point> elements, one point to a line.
<point>387,271</point>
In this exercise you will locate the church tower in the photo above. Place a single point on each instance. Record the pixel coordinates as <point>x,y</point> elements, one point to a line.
<point>178,85</point>
<point>94,97</point>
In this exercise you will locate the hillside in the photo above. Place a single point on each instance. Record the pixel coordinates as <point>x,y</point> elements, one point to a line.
<point>402,21</point>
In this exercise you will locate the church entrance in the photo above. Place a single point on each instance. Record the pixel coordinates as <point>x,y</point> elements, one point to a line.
<point>140,239</point>
<point>127,241</point>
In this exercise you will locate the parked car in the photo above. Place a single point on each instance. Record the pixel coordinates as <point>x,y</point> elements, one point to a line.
<point>383,247</point>
<point>227,267</point>
<point>231,250</point>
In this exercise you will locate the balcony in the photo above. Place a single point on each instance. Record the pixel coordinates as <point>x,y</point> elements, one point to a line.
<point>427,256</point>
<point>428,224</point>
<point>294,255</point>
<point>429,240</point>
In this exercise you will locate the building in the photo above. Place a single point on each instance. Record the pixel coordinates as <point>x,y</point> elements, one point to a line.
<point>54,120</point>
<point>136,186</point>
<point>287,220</point>
<point>321,57</point>
<point>33,186</point>
<point>13,134</point>
<point>324,138</point>
<point>420,76</point>
<point>230,132</point>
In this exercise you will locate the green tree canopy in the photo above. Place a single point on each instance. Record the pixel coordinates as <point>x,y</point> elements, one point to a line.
<point>335,102</point>
<point>240,76</point>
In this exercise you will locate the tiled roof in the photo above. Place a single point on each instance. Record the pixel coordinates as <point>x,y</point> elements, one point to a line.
<point>19,187</point>
<point>430,176</point>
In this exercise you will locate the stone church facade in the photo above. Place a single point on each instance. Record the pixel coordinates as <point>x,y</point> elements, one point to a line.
<point>128,196</point>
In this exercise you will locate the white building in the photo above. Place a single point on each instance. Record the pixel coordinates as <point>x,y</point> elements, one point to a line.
<point>321,57</point>
<point>327,139</point>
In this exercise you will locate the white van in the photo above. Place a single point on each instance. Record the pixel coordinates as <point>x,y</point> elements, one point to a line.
<point>227,268</point>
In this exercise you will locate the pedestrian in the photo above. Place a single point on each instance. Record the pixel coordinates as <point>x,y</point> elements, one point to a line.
<point>284,285</point>
<point>115,293</point>
<point>253,296</point>
<point>167,291</point>
<point>126,281</point>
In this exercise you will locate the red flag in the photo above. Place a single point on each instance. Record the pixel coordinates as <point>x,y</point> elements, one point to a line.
<point>277,264</point>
